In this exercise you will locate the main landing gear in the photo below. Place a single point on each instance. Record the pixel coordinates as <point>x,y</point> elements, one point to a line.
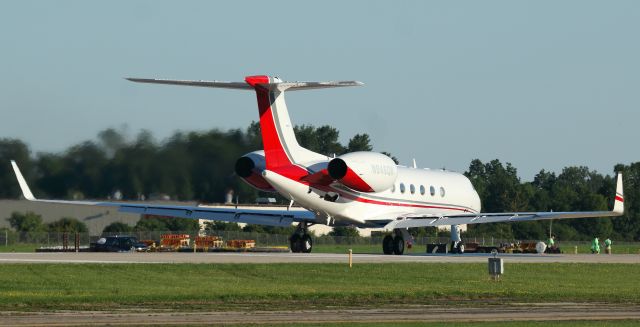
<point>300,241</point>
<point>395,243</point>
<point>456,241</point>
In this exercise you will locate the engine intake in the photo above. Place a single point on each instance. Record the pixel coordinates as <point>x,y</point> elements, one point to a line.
<point>244,167</point>
<point>249,167</point>
<point>337,168</point>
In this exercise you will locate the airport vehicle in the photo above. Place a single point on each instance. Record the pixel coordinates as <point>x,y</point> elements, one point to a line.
<point>362,189</point>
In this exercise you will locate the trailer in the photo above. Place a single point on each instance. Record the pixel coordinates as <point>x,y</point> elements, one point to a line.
<point>477,248</point>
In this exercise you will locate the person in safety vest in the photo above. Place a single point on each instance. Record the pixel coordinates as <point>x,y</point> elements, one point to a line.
<point>551,244</point>
<point>607,245</point>
<point>595,246</point>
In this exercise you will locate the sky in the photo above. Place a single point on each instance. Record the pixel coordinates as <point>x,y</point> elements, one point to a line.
<point>539,84</point>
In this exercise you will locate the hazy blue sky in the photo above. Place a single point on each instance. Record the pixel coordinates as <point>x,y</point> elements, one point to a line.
<point>540,84</point>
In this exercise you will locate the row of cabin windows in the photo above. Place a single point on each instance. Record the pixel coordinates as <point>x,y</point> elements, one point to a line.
<point>412,189</point>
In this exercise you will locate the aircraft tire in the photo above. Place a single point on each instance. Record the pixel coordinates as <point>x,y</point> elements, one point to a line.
<point>306,243</point>
<point>387,244</point>
<point>295,243</point>
<point>398,245</point>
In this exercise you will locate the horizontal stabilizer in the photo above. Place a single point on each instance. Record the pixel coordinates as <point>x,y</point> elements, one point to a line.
<point>292,86</point>
<point>218,84</point>
<point>273,83</point>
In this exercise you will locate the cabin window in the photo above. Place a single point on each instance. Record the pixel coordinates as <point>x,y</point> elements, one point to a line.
<point>402,188</point>
<point>441,191</point>
<point>422,190</point>
<point>432,190</point>
<point>393,188</point>
<point>412,189</point>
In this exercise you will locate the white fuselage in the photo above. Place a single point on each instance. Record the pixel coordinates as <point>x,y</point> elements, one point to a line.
<point>416,192</point>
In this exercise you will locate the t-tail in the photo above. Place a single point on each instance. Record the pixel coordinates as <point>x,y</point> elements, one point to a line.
<point>281,149</point>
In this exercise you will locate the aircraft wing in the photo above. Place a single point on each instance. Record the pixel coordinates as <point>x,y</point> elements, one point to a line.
<point>409,221</point>
<point>281,218</point>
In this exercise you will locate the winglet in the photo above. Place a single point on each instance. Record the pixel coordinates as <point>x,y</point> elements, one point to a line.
<point>618,203</point>
<point>26,192</point>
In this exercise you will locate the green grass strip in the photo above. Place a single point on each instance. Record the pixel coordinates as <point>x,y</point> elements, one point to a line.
<point>194,286</point>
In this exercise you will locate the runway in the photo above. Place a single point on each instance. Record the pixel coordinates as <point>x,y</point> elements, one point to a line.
<point>392,314</point>
<point>263,258</point>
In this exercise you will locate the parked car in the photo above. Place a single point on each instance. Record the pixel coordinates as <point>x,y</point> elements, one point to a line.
<point>118,244</point>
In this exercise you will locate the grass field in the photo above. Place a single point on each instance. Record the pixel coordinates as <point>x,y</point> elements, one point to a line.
<point>229,286</point>
<point>19,248</point>
<point>583,323</point>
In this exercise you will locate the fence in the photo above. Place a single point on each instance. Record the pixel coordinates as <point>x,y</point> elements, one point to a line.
<point>33,240</point>
<point>54,239</point>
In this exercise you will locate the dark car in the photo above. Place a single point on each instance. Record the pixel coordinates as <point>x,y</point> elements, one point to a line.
<point>118,244</point>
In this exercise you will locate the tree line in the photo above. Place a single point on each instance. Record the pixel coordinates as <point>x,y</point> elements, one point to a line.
<point>187,166</point>
<point>30,222</point>
<point>199,166</point>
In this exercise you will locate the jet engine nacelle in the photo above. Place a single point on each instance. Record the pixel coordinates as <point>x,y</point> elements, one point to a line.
<point>364,171</point>
<point>249,167</point>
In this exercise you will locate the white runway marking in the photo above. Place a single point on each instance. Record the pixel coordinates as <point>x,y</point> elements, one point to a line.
<point>262,258</point>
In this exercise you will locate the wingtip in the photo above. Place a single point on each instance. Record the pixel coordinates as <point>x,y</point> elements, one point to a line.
<point>618,202</point>
<point>24,187</point>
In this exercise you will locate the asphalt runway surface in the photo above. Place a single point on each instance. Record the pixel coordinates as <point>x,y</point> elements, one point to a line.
<point>424,313</point>
<point>262,258</point>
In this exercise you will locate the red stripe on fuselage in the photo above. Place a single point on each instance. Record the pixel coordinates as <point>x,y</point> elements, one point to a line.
<point>397,204</point>
<point>619,198</point>
<point>377,202</point>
